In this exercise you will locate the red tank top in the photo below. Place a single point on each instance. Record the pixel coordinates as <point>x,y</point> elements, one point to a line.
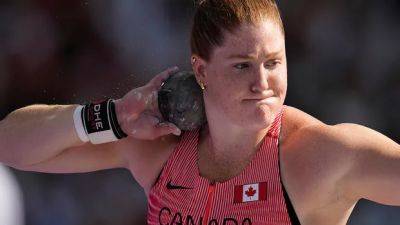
<point>256,196</point>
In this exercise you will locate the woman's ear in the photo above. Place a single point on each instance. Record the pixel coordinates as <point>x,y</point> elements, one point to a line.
<point>198,66</point>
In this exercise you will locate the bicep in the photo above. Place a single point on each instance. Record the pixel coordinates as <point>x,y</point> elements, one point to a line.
<point>375,169</point>
<point>144,159</point>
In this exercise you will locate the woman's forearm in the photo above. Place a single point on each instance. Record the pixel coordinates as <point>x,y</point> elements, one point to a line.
<point>36,133</point>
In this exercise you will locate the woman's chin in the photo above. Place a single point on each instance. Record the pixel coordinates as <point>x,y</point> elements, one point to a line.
<point>263,116</point>
<point>257,122</point>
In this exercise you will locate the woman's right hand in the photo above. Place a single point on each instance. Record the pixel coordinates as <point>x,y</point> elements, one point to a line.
<point>138,113</point>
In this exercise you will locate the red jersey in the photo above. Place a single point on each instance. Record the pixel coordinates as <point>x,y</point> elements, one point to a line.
<point>256,196</point>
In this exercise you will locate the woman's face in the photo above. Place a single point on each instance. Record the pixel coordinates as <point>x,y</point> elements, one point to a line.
<point>246,77</point>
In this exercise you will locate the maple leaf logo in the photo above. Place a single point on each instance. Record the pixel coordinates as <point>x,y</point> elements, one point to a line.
<point>251,192</point>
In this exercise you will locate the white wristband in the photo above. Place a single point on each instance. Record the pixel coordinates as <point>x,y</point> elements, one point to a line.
<point>79,128</point>
<point>104,136</point>
<point>99,130</point>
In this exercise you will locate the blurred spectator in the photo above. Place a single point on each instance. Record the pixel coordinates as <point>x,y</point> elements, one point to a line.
<point>11,203</point>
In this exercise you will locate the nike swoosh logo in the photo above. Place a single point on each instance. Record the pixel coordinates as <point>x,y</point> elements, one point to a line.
<point>171,186</point>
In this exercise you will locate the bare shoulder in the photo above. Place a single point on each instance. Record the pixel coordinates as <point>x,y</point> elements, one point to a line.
<point>295,120</point>
<point>307,132</point>
<point>303,131</point>
<point>320,150</point>
<point>307,138</point>
<point>315,159</point>
<point>327,168</point>
<point>147,158</point>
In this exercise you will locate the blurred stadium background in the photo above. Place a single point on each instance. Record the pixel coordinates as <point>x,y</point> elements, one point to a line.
<point>344,66</point>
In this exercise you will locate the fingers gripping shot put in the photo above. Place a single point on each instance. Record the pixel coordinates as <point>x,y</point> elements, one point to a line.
<point>217,146</point>
<point>139,113</point>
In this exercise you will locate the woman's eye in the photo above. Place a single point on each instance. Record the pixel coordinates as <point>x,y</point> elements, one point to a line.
<point>272,64</point>
<point>241,66</point>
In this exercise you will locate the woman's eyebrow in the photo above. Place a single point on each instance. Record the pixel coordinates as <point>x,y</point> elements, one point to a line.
<point>242,56</point>
<point>253,56</point>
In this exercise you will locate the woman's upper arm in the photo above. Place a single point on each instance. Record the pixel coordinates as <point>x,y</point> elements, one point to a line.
<point>84,158</point>
<point>142,158</point>
<point>375,171</point>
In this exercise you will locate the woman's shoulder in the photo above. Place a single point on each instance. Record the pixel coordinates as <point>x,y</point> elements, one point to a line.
<point>312,155</point>
<point>302,131</point>
<point>295,120</point>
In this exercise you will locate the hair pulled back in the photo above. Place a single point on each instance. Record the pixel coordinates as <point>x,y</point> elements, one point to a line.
<point>215,17</point>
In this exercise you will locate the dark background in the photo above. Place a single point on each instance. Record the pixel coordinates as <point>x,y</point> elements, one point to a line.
<point>343,62</point>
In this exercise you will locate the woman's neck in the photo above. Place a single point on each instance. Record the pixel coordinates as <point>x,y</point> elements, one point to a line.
<point>230,141</point>
<point>224,155</point>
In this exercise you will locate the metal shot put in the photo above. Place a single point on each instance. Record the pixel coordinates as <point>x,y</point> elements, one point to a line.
<point>180,101</point>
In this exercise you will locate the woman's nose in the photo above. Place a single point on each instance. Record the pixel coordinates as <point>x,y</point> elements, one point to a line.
<point>260,83</point>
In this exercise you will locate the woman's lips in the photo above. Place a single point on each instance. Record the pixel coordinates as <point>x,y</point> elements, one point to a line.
<point>267,101</point>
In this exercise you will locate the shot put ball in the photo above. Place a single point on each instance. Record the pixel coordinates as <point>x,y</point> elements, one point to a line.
<point>180,101</point>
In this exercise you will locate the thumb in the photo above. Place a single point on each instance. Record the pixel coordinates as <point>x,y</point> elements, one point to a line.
<point>167,128</point>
